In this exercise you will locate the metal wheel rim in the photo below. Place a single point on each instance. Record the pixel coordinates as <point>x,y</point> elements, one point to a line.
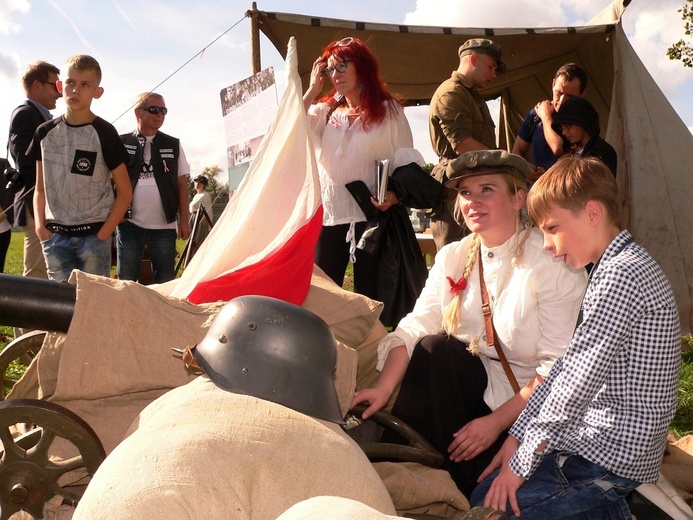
<point>419,449</point>
<point>14,350</point>
<point>28,479</point>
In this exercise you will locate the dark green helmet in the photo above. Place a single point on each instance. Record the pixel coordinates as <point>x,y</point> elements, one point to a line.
<point>273,350</point>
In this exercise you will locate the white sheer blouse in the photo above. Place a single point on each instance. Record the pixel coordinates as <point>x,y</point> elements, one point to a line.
<point>535,307</point>
<point>347,153</point>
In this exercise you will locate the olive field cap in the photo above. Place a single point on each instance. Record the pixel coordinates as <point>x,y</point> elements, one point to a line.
<point>485,162</point>
<point>483,46</point>
<point>578,111</point>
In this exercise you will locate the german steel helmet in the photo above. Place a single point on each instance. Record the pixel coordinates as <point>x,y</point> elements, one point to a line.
<point>273,350</point>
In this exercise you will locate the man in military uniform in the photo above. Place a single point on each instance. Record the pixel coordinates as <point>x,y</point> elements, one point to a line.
<point>459,121</point>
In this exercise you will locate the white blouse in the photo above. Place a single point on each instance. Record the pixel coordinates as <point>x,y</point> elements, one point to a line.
<point>347,153</point>
<point>204,199</point>
<point>535,307</point>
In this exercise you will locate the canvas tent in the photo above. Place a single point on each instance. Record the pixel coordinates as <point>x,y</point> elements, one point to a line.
<point>653,144</point>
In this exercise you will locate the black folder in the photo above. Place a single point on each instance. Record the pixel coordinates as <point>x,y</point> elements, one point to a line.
<point>362,195</point>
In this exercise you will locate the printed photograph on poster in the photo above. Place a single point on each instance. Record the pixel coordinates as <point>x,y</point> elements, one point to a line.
<point>248,108</point>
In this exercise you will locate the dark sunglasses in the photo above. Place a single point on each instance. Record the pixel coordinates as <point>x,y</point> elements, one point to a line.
<point>155,110</point>
<point>52,84</point>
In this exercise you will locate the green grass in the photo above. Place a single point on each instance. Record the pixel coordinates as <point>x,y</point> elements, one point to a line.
<point>683,420</point>
<point>15,254</point>
<point>682,424</point>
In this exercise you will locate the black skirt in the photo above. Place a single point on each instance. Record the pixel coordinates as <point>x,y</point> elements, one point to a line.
<point>442,390</point>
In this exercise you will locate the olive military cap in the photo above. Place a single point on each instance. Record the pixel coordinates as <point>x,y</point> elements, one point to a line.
<point>483,46</point>
<point>484,162</point>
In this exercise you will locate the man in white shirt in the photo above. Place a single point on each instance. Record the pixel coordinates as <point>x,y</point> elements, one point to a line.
<point>158,173</point>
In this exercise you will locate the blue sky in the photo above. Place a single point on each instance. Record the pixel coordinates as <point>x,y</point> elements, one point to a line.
<point>139,43</point>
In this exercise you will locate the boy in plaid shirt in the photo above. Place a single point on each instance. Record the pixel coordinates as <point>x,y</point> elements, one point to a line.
<point>596,428</point>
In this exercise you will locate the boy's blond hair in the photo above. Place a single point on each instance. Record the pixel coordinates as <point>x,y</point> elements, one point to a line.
<point>83,62</point>
<point>570,184</point>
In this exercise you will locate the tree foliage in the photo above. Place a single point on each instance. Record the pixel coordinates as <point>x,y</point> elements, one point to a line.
<point>682,49</point>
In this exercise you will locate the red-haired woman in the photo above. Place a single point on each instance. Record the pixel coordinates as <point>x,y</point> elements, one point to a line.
<point>355,124</point>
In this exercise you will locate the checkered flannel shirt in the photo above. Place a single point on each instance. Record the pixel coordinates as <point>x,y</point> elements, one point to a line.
<point>611,397</point>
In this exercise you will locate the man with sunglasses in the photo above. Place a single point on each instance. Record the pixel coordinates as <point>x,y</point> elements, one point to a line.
<point>460,121</point>
<point>39,82</point>
<point>158,215</point>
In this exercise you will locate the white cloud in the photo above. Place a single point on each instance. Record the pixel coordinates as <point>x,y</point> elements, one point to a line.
<point>494,13</point>
<point>652,27</point>
<point>584,10</point>
<point>9,66</point>
<point>7,8</point>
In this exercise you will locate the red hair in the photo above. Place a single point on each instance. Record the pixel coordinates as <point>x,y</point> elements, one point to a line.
<point>373,90</point>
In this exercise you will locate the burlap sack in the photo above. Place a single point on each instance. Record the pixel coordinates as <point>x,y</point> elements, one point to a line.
<point>351,316</point>
<point>200,452</point>
<point>116,356</point>
<point>677,466</point>
<point>418,489</point>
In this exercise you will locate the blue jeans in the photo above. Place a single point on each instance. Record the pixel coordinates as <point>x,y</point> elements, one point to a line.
<point>161,245</point>
<point>566,485</point>
<point>88,254</point>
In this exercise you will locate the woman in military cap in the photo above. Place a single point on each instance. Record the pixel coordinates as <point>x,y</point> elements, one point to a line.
<point>455,390</point>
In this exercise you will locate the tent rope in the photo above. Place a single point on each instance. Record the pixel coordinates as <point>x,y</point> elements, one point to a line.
<point>199,53</point>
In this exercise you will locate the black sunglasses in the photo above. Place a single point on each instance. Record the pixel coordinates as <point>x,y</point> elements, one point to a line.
<point>155,110</point>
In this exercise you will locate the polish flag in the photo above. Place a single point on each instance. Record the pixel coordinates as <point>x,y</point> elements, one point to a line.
<point>264,241</point>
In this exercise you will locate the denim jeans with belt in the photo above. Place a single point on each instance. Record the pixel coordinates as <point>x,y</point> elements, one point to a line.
<point>161,245</point>
<point>566,485</point>
<point>88,254</point>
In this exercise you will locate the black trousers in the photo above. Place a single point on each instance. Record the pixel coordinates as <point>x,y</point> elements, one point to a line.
<point>442,390</point>
<point>5,239</point>
<point>332,256</point>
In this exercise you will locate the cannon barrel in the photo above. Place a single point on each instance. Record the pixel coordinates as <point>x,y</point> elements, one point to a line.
<point>33,303</point>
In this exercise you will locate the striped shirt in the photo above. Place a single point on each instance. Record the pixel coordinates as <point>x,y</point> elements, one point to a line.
<point>611,398</point>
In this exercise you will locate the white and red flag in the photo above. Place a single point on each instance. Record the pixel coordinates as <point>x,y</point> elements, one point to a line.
<point>264,241</point>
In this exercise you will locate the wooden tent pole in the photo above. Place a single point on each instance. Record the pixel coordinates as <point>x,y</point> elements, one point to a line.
<point>255,38</point>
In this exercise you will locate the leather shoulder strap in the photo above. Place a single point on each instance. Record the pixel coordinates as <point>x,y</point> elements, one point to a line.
<point>491,338</point>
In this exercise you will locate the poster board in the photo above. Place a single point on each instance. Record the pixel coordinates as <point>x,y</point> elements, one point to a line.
<point>248,108</point>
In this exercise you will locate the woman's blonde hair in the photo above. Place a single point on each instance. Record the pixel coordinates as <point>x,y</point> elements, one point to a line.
<point>451,314</point>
